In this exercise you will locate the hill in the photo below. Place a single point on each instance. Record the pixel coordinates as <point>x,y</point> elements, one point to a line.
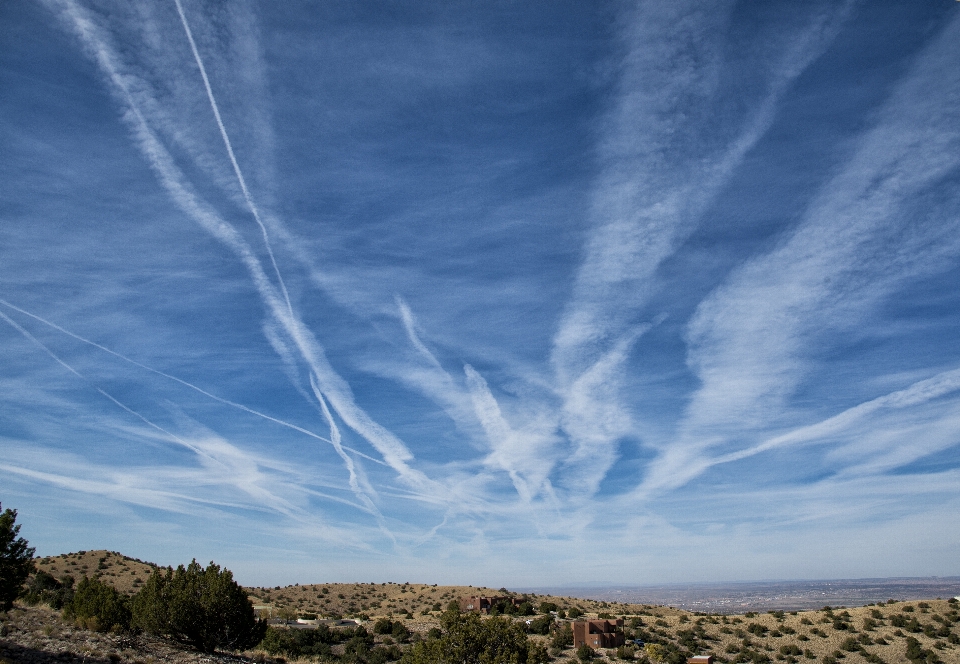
<point>918,632</point>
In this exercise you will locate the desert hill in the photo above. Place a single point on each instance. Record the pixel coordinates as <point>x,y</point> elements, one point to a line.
<point>914,632</point>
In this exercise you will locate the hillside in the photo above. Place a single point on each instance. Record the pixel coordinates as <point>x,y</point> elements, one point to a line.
<point>919,632</point>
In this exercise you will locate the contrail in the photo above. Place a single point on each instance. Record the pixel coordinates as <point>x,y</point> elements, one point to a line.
<point>393,450</point>
<point>229,146</point>
<point>79,375</point>
<point>170,377</point>
<point>335,388</point>
<point>279,504</point>
<point>354,485</point>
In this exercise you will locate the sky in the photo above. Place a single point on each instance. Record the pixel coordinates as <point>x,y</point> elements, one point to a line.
<point>505,293</point>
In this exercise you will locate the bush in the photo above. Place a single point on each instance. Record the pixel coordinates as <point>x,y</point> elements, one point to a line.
<point>547,607</point>
<point>16,559</point>
<point>203,608</point>
<point>541,625</point>
<point>626,652</point>
<point>575,612</point>
<point>850,644</point>
<point>97,606</point>
<point>585,653</point>
<point>44,589</point>
<point>297,643</point>
<point>563,638</point>
<point>467,639</point>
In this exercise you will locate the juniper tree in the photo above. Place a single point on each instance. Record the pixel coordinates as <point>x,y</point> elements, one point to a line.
<point>16,559</point>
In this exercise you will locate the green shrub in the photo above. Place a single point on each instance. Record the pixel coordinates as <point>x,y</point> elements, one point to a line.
<point>203,608</point>
<point>541,625</point>
<point>574,612</point>
<point>467,639</point>
<point>97,606</point>
<point>585,653</point>
<point>16,559</point>
<point>563,637</point>
<point>547,607</point>
<point>44,589</point>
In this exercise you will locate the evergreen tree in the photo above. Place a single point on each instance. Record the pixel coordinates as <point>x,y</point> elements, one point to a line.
<point>16,559</point>
<point>203,608</point>
<point>98,606</point>
<point>468,639</point>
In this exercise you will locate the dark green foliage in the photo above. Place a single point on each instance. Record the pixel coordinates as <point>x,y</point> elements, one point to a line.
<point>873,658</point>
<point>563,638</point>
<point>790,650</point>
<point>98,606</point>
<point>399,631</point>
<point>296,643</point>
<point>585,653</point>
<point>918,655</point>
<point>44,589</point>
<point>547,607</point>
<point>850,644</point>
<point>748,655</point>
<point>574,612</point>
<point>203,608</point>
<point>541,625</point>
<point>525,609</point>
<point>756,629</point>
<point>316,643</point>
<point>16,559</point>
<point>467,639</point>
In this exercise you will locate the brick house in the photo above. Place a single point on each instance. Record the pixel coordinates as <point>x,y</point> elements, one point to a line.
<point>484,604</point>
<point>598,633</point>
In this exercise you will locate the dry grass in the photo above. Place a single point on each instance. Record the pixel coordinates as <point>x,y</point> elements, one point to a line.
<point>123,573</point>
<point>811,636</point>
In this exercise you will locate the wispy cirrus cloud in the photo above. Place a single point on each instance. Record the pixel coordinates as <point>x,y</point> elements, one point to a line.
<point>485,288</point>
<point>756,337</point>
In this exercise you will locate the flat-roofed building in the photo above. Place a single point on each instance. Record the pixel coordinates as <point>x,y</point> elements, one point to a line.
<point>606,633</point>
<point>477,604</point>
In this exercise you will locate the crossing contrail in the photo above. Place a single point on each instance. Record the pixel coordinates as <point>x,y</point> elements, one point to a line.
<point>233,159</point>
<point>185,383</point>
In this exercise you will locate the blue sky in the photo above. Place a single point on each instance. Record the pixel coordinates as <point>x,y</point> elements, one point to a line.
<point>495,293</point>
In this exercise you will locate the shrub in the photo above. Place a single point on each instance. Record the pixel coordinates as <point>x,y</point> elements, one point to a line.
<point>585,653</point>
<point>850,644</point>
<point>97,606</point>
<point>44,589</point>
<point>575,612</point>
<point>541,625</point>
<point>16,559</point>
<point>297,643</point>
<point>563,638</point>
<point>547,607</point>
<point>626,652</point>
<point>467,639</point>
<point>203,608</point>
